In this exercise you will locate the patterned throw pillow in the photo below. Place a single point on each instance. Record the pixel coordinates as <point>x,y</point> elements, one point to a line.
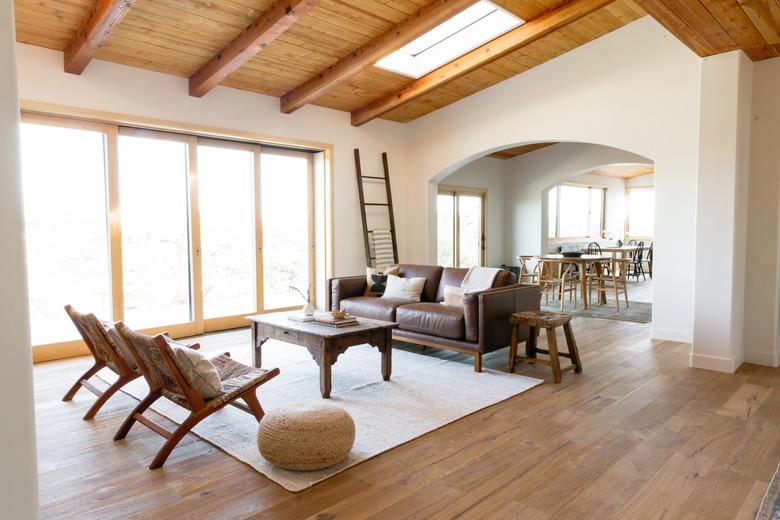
<point>377,280</point>
<point>202,372</point>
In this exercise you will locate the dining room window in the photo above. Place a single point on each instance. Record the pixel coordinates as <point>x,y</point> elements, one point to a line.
<point>640,212</point>
<point>576,211</point>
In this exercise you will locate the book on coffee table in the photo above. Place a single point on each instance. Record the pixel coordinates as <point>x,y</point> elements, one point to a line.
<point>327,319</point>
<point>300,316</point>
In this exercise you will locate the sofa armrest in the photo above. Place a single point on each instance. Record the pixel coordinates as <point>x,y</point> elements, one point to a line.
<point>486,313</point>
<point>343,288</point>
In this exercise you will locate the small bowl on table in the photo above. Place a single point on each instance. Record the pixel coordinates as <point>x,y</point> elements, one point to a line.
<point>339,315</point>
<point>572,254</point>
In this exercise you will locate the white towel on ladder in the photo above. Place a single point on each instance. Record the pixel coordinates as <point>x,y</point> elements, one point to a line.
<point>383,248</point>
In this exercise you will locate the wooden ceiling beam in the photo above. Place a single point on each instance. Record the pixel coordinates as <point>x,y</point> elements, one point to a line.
<point>269,26</point>
<point>430,16</point>
<point>499,47</point>
<point>94,32</point>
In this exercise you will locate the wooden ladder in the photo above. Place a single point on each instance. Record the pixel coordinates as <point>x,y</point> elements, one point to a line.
<point>386,206</point>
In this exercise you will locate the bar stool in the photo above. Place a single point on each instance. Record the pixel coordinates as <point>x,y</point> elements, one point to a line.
<point>537,320</point>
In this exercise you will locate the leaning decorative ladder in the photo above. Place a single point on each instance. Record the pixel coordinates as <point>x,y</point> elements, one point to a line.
<point>383,240</point>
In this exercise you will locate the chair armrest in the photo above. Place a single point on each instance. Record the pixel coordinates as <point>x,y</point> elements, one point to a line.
<point>345,287</point>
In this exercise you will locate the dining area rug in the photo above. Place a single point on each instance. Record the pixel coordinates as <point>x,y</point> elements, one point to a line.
<point>423,394</point>
<point>770,505</point>
<point>637,312</point>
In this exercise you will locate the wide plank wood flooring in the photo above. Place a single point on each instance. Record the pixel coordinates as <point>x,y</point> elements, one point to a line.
<point>638,435</point>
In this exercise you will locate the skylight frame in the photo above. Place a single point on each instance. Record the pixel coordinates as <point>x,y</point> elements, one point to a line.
<point>464,32</point>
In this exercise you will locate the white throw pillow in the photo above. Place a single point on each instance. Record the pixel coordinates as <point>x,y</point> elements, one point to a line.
<point>404,288</point>
<point>202,372</point>
<point>453,296</point>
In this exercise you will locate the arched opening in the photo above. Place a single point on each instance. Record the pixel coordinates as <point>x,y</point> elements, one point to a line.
<point>545,197</point>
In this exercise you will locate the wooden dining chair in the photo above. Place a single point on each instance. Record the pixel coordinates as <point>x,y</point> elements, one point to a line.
<point>636,266</point>
<point>529,274</point>
<point>193,382</point>
<point>557,279</point>
<point>106,353</point>
<point>611,280</point>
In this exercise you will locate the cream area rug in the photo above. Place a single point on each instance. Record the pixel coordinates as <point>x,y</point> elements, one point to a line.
<point>423,394</point>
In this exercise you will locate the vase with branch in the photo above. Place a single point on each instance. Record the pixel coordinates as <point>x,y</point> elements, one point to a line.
<point>308,309</point>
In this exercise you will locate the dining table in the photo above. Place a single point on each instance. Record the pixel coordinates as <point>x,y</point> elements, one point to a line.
<point>618,252</point>
<point>581,262</point>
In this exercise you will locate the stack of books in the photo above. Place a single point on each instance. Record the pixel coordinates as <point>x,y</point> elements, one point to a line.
<point>327,319</point>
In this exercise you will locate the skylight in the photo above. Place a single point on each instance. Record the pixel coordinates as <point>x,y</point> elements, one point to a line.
<point>460,34</point>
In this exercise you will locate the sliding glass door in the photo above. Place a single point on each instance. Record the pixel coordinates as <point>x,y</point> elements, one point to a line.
<point>461,227</point>
<point>287,228</point>
<point>163,231</point>
<point>156,245</point>
<point>226,181</point>
<point>65,225</point>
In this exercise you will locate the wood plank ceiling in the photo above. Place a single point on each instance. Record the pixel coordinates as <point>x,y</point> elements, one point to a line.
<point>322,51</point>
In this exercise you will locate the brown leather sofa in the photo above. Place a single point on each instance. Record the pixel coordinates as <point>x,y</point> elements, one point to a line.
<point>479,327</point>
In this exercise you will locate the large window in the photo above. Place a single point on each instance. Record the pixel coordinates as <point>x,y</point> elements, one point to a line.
<point>640,217</point>
<point>162,230</point>
<point>460,227</point>
<point>65,226</point>
<point>575,211</point>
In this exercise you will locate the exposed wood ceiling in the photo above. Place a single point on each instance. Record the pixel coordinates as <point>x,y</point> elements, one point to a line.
<point>322,51</point>
<point>618,171</point>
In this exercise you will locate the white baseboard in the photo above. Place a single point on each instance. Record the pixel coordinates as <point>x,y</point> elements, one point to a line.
<point>769,359</point>
<point>712,363</point>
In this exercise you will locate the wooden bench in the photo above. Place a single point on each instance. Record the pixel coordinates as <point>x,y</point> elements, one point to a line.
<point>537,320</point>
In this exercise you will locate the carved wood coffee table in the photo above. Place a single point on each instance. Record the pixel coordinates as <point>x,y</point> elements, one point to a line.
<point>325,343</point>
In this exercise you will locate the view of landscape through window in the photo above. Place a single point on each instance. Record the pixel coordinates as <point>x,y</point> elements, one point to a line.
<point>575,211</point>
<point>68,239</point>
<point>65,227</point>
<point>459,229</point>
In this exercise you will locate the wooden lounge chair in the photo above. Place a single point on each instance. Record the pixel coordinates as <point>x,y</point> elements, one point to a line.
<point>107,354</point>
<point>167,377</point>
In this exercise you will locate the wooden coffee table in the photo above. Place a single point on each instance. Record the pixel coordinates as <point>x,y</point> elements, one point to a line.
<point>324,343</point>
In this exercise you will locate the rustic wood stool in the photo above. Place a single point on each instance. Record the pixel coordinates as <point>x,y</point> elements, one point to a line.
<point>549,321</point>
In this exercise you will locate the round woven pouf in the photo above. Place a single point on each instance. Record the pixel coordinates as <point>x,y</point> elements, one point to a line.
<point>306,436</point>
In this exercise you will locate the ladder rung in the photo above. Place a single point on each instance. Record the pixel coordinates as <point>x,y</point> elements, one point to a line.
<point>376,204</point>
<point>370,177</point>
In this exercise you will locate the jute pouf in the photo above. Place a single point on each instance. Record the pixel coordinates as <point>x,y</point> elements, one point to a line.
<point>306,436</point>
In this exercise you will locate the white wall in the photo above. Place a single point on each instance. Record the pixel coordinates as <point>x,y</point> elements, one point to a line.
<point>762,284</point>
<point>635,89</point>
<point>114,88</point>
<point>19,476</point>
<point>721,208</point>
<point>531,175</point>
<point>487,173</point>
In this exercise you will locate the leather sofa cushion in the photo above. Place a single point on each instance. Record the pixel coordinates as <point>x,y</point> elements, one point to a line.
<point>372,307</point>
<point>432,318</point>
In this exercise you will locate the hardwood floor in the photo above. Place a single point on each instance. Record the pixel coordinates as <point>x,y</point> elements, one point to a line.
<point>638,434</point>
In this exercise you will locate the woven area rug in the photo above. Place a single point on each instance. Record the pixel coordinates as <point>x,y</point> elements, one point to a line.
<point>423,394</point>
<point>770,505</point>
<point>637,312</point>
